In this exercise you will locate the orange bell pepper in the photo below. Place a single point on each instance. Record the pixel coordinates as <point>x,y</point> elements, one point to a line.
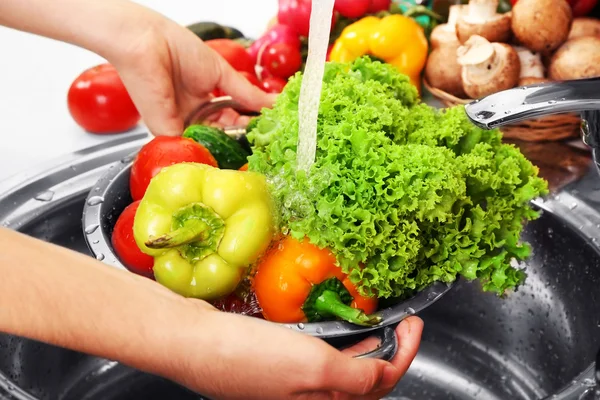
<point>395,39</point>
<point>297,282</point>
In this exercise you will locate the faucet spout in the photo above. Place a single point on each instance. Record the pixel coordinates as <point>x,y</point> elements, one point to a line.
<point>527,102</point>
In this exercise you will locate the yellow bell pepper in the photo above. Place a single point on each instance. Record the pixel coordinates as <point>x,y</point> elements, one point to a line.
<point>395,39</point>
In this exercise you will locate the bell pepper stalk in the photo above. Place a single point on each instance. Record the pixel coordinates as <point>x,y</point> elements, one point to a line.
<point>394,39</point>
<point>296,281</point>
<point>204,227</point>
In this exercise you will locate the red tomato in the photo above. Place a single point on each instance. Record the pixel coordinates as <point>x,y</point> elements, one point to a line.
<point>99,102</point>
<point>379,5</point>
<point>234,53</point>
<point>582,7</point>
<point>281,60</point>
<point>161,152</point>
<point>352,8</point>
<point>126,248</point>
<point>273,84</point>
<point>296,15</point>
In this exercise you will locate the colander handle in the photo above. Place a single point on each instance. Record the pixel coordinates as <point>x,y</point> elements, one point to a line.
<point>388,346</point>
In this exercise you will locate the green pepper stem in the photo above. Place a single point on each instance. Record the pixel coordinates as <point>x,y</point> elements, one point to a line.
<point>192,230</point>
<point>330,303</point>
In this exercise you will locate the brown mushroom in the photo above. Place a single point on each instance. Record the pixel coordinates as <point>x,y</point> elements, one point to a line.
<point>576,59</point>
<point>444,34</point>
<point>443,70</point>
<point>532,67</point>
<point>482,19</point>
<point>541,25</point>
<point>585,26</point>
<point>488,67</point>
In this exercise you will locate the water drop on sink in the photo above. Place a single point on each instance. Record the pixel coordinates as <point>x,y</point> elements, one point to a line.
<point>91,229</point>
<point>319,330</point>
<point>573,206</point>
<point>96,241</point>
<point>73,168</point>
<point>507,112</point>
<point>95,200</point>
<point>301,326</point>
<point>127,159</point>
<point>552,102</point>
<point>48,195</point>
<point>100,257</point>
<point>410,311</point>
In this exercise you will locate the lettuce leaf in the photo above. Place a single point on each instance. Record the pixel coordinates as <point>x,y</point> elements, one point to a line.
<point>403,194</point>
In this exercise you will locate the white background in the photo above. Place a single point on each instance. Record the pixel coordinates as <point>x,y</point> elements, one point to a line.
<point>36,72</point>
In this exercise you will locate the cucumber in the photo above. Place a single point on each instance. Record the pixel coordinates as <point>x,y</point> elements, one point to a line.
<point>226,150</point>
<point>212,30</point>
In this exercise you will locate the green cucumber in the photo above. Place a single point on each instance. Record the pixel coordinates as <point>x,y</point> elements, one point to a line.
<point>227,151</point>
<point>212,30</point>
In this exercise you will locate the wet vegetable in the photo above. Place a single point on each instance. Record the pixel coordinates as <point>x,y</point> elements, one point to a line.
<point>226,150</point>
<point>204,227</point>
<point>298,282</point>
<point>394,39</point>
<point>161,152</point>
<point>402,193</point>
<point>124,244</point>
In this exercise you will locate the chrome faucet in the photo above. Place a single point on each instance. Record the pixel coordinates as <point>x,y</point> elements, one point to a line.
<point>577,96</point>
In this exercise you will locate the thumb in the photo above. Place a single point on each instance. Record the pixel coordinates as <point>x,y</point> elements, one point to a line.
<point>242,90</point>
<point>356,377</point>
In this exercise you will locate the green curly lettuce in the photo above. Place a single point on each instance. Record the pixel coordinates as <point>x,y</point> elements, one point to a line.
<point>402,193</point>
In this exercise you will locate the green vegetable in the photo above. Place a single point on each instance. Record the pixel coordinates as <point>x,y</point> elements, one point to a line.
<point>227,151</point>
<point>402,193</point>
<point>204,227</point>
<point>329,299</point>
<point>212,30</point>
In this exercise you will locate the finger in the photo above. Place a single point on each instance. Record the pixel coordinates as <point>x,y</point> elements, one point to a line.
<point>409,334</point>
<point>244,92</point>
<point>155,100</point>
<point>352,376</point>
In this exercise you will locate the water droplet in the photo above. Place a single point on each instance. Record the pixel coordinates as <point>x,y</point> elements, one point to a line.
<point>410,311</point>
<point>573,206</point>
<point>338,326</point>
<point>523,87</point>
<point>97,189</point>
<point>91,229</point>
<point>100,257</point>
<point>48,195</point>
<point>127,159</point>
<point>301,326</point>
<point>319,330</point>
<point>552,102</point>
<point>73,168</point>
<point>96,241</point>
<point>507,112</point>
<point>95,200</point>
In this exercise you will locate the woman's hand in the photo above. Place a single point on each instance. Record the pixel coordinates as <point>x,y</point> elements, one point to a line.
<point>169,71</point>
<point>253,359</point>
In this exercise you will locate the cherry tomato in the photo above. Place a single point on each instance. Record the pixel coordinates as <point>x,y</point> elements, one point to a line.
<point>99,102</point>
<point>296,15</point>
<point>379,5</point>
<point>352,8</point>
<point>244,167</point>
<point>161,152</point>
<point>281,60</point>
<point>234,53</point>
<point>125,247</point>
<point>273,84</point>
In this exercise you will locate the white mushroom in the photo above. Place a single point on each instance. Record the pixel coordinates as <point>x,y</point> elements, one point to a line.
<point>488,67</point>
<point>446,33</point>
<point>483,20</point>
<point>541,25</point>
<point>443,70</point>
<point>576,59</point>
<point>585,26</point>
<point>532,67</point>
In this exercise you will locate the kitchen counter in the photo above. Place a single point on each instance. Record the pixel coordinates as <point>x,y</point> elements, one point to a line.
<point>36,72</point>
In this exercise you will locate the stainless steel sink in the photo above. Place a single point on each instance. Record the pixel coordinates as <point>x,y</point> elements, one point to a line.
<point>535,343</point>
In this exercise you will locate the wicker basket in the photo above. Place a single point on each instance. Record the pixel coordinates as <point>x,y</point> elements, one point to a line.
<point>549,128</point>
